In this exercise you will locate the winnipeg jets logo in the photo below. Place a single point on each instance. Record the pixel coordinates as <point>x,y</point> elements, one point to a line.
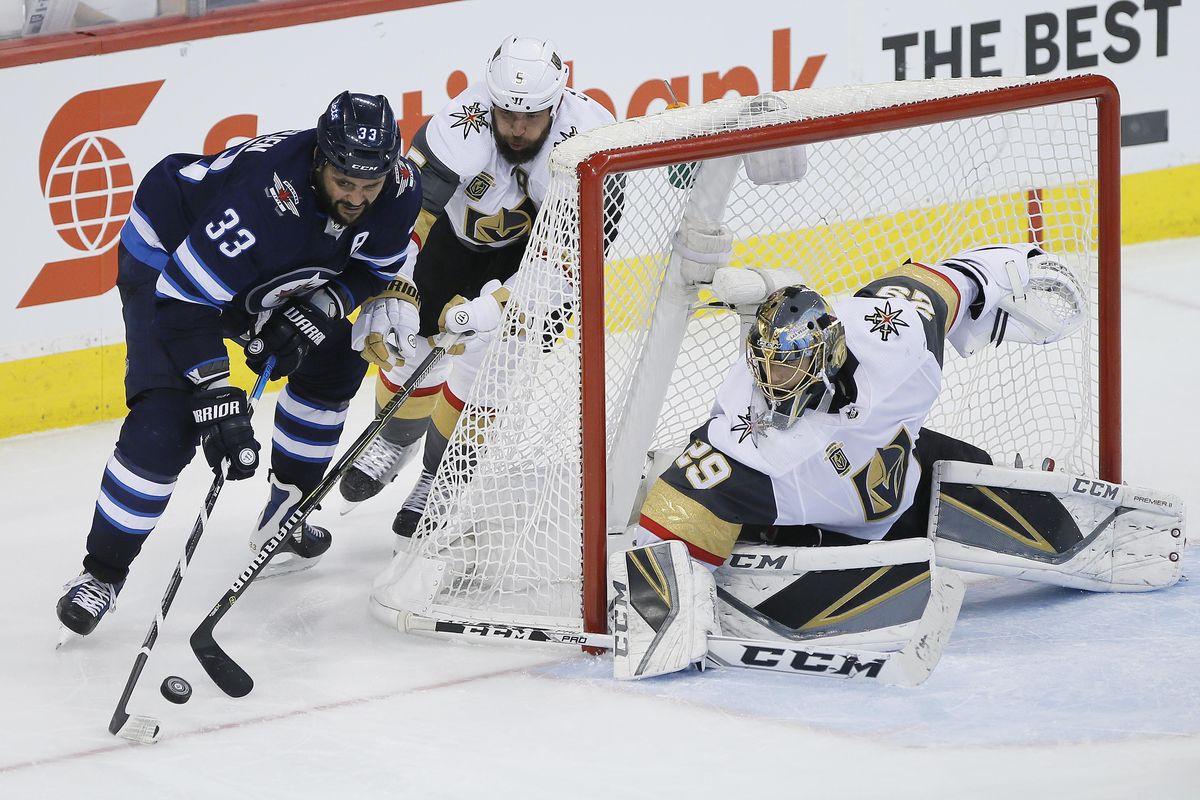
<point>473,119</point>
<point>284,195</point>
<point>568,134</point>
<point>885,321</point>
<point>745,425</point>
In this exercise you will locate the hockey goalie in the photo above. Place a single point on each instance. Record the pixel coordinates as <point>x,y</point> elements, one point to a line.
<point>814,508</point>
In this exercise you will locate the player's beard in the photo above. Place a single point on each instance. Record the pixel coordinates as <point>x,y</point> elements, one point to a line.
<point>339,216</point>
<point>331,209</point>
<point>524,154</point>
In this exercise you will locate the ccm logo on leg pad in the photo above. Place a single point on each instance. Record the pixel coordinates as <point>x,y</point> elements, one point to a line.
<point>1095,488</point>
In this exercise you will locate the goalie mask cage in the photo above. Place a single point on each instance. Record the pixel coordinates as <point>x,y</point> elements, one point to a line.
<point>606,354</point>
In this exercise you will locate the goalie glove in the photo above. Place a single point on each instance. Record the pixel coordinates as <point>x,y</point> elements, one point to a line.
<point>385,332</point>
<point>1022,295</point>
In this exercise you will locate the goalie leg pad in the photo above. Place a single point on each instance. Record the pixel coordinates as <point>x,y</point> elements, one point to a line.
<point>661,605</point>
<point>1052,527</point>
<point>864,595</point>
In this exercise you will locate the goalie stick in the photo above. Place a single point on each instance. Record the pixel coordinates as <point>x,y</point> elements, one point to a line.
<point>908,666</point>
<point>141,728</point>
<point>226,673</point>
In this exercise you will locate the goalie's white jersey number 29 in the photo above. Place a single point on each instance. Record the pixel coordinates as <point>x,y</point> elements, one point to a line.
<point>703,466</point>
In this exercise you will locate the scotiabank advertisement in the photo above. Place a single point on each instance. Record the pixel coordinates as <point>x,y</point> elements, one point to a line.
<point>80,132</point>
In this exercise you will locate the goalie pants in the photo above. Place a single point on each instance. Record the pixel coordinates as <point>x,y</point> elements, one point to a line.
<point>913,522</point>
<point>158,437</point>
<point>445,268</point>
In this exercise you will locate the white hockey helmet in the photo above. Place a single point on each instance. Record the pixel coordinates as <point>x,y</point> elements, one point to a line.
<point>526,75</point>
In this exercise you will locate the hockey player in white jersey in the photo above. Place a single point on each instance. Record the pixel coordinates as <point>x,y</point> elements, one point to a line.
<point>818,439</point>
<point>484,163</point>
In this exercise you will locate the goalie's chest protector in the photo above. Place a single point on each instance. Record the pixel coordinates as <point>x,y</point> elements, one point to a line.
<point>496,201</point>
<point>854,471</point>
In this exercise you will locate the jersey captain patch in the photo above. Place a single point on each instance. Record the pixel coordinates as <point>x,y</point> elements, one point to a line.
<point>886,321</point>
<point>880,484</point>
<point>472,119</point>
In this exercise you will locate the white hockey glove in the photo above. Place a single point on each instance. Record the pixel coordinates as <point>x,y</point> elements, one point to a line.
<point>1031,298</point>
<point>481,315</point>
<point>385,332</point>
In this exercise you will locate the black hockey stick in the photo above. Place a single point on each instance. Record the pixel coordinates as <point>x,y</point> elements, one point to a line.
<point>224,671</point>
<point>145,729</point>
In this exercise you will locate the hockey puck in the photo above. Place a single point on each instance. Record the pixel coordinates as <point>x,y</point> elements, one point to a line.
<point>176,689</point>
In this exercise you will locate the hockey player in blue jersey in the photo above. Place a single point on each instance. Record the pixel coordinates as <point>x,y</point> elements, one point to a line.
<point>270,243</point>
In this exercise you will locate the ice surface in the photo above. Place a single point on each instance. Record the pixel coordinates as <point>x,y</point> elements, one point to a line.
<point>1042,692</point>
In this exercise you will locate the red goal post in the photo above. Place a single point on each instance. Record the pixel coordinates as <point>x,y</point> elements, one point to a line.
<point>918,168</point>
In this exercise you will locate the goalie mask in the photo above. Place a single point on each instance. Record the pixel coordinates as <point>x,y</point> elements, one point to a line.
<point>795,349</point>
<point>526,75</point>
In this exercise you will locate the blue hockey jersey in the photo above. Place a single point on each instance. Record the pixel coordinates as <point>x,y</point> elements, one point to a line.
<point>241,232</point>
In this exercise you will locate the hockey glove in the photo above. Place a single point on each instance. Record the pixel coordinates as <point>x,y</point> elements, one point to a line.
<point>385,332</point>
<point>480,316</point>
<point>288,334</point>
<point>222,416</point>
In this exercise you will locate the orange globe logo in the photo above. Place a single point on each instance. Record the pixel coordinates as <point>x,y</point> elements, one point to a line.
<point>88,185</point>
<point>89,190</point>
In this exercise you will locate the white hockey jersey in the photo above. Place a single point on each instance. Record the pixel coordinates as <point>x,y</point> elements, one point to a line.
<point>495,202</point>
<point>853,471</point>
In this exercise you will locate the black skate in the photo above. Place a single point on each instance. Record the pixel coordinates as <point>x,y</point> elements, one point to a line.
<point>86,602</point>
<point>378,466</point>
<point>410,513</point>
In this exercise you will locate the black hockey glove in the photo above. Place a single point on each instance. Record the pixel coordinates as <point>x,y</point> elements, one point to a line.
<point>223,419</point>
<point>288,334</point>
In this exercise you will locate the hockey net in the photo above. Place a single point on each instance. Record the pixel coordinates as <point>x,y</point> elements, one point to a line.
<point>607,356</point>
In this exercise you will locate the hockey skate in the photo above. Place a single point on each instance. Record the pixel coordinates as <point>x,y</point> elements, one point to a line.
<point>378,466</point>
<point>86,602</point>
<point>410,513</point>
<point>295,553</point>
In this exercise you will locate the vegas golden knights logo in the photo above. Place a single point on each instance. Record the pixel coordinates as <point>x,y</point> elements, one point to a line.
<point>479,186</point>
<point>880,483</point>
<point>837,458</point>
<point>505,225</point>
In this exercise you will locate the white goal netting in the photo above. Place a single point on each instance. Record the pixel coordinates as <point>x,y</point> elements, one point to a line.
<point>919,169</point>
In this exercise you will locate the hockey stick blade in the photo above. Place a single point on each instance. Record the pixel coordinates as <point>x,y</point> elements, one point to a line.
<point>226,673</point>
<point>143,730</point>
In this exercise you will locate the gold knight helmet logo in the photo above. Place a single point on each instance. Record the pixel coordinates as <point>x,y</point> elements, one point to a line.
<point>880,484</point>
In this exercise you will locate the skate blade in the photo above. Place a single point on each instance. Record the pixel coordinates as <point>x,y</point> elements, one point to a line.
<point>143,730</point>
<point>348,506</point>
<point>65,635</point>
<point>286,564</point>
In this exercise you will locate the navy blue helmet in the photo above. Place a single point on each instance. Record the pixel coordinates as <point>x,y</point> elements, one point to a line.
<point>357,134</point>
